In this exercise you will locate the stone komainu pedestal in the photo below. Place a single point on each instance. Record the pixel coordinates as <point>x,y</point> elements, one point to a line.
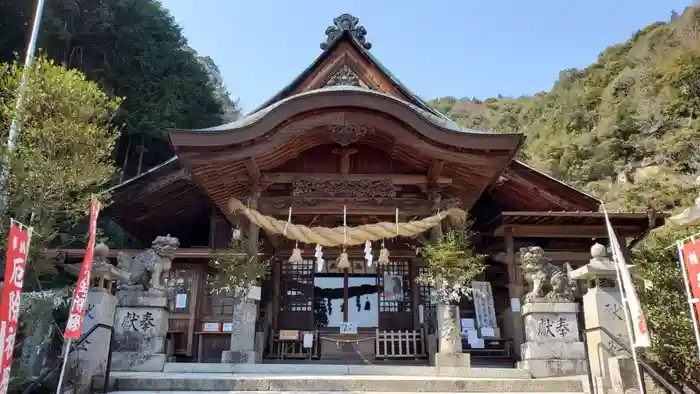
<point>553,346</point>
<point>140,327</point>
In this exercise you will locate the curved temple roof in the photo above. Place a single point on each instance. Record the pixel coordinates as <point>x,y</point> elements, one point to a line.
<point>336,97</point>
<point>439,121</point>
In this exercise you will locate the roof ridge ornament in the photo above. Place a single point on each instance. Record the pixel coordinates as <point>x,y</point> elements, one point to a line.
<point>349,23</point>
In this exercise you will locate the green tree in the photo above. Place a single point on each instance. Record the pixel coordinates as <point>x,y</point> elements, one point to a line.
<point>63,152</point>
<point>666,306</point>
<point>135,50</point>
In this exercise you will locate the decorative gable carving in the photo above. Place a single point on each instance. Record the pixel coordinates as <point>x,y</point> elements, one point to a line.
<point>349,23</point>
<point>345,76</point>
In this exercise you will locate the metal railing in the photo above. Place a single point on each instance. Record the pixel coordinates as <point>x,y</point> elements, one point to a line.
<point>74,346</point>
<point>648,369</point>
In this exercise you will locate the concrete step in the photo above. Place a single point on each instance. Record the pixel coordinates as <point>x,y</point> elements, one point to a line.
<point>227,382</point>
<point>344,369</point>
<point>292,392</point>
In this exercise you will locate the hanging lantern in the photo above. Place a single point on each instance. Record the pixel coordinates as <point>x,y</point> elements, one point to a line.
<point>343,261</point>
<point>236,233</point>
<point>367,305</point>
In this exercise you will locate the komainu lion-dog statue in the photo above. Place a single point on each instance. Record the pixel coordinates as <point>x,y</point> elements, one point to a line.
<point>543,276</point>
<point>147,269</point>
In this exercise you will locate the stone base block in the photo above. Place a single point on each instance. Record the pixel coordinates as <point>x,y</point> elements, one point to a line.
<point>554,367</point>
<point>552,350</point>
<point>238,357</point>
<point>138,362</point>
<point>623,374</point>
<point>140,298</point>
<point>443,359</point>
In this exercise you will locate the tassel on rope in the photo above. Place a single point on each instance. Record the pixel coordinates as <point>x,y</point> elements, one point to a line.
<point>296,255</point>
<point>368,253</point>
<point>296,252</point>
<point>343,261</point>
<point>383,255</point>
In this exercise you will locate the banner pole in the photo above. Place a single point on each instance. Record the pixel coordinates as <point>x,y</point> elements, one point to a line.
<point>63,366</point>
<point>689,294</point>
<point>619,260</point>
<point>629,323</point>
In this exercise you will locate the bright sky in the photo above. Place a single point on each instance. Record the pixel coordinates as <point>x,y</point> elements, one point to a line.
<point>462,48</point>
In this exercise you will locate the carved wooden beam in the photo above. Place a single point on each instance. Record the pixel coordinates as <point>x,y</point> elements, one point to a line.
<point>396,179</point>
<point>252,167</point>
<point>564,231</point>
<point>435,170</point>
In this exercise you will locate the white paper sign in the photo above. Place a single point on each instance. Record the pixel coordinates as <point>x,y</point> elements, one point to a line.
<point>348,328</point>
<point>472,336</point>
<point>515,304</point>
<point>488,332</point>
<point>308,340</point>
<point>254,293</point>
<point>227,327</point>
<point>181,301</point>
<point>467,324</point>
<point>421,313</point>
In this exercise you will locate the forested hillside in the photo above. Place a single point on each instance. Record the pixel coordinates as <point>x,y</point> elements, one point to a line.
<point>626,127</point>
<point>135,50</point>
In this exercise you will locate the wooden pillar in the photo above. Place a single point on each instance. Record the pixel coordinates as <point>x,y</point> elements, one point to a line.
<point>415,293</point>
<point>346,294</point>
<point>513,321</point>
<point>276,284</point>
<point>435,195</point>
<point>253,230</point>
<point>515,280</point>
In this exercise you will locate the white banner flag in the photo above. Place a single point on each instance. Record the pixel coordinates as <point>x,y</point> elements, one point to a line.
<point>638,323</point>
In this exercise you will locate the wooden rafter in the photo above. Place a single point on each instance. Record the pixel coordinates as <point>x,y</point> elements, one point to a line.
<point>253,170</point>
<point>434,171</point>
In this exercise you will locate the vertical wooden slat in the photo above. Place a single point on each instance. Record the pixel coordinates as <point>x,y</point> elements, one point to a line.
<point>415,345</point>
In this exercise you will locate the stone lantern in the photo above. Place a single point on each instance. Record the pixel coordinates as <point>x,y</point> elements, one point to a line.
<point>91,359</point>
<point>602,307</point>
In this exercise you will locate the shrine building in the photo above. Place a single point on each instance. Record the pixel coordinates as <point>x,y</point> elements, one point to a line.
<point>347,134</point>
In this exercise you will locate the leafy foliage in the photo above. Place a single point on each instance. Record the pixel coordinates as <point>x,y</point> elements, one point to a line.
<point>452,263</point>
<point>63,152</point>
<point>666,304</point>
<point>235,271</point>
<point>133,49</point>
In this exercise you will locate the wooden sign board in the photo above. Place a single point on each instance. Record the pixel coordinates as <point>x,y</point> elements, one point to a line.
<point>289,335</point>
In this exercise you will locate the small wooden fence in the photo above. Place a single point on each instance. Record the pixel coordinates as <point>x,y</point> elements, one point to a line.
<point>390,344</point>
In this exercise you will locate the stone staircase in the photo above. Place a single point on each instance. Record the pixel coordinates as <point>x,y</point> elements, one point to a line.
<point>315,378</point>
